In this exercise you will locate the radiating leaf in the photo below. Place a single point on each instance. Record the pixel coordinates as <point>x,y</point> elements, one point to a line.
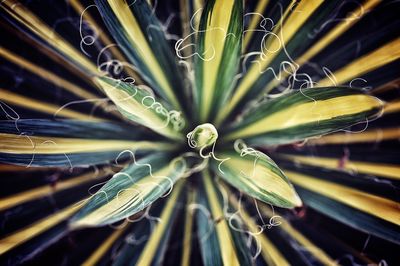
<point>350,216</point>
<point>304,114</point>
<point>251,85</point>
<point>40,142</point>
<point>72,129</point>
<point>131,190</point>
<point>257,175</point>
<point>150,240</point>
<point>219,43</point>
<point>140,35</point>
<point>380,207</point>
<point>219,244</point>
<point>140,106</point>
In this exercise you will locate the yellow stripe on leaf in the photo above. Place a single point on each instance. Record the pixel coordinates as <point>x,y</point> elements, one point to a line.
<point>259,177</point>
<point>35,24</point>
<point>35,229</point>
<point>217,22</point>
<point>133,31</point>
<point>23,144</point>
<point>297,18</point>
<point>43,191</point>
<point>95,257</point>
<point>225,240</point>
<point>367,63</point>
<point>144,108</point>
<point>104,37</point>
<point>131,196</point>
<point>372,135</point>
<point>44,107</point>
<point>45,74</point>
<point>269,251</point>
<point>149,251</point>
<point>392,107</point>
<point>187,235</point>
<point>255,19</point>
<point>310,112</point>
<point>380,169</point>
<point>382,208</point>
<point>328,38</point>
<point>303,240</point>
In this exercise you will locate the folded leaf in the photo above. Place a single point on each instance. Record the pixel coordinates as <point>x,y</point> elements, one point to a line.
<point>140,35</point>
<point>140,106</point>
<point>131,190</point>
<point>218,52</point>
<point>255,174</point>
<point>304,114</point>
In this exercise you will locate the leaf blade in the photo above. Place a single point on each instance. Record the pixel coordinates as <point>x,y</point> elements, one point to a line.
<point>130,191</point>
<point>306,113</point>
<point>258,176</point>
<point>219,41</point>
<point>140,106</point>
<point>135,28</point>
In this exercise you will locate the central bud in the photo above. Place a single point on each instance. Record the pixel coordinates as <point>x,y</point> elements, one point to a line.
<point>202,136</point>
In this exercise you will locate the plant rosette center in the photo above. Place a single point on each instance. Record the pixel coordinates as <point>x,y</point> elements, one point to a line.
<point>202,136</point>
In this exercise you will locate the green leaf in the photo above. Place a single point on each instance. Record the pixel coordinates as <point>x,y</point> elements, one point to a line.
<point>350,216</point>
<point>382,208</point>
<point>303,114</point>
<point>131,190</point>
<point>140,106</point>
<point>255,174</point>
<point>140,35</point>
<point>44,142</point>
<point>218,52</point>
<point>219,244</point>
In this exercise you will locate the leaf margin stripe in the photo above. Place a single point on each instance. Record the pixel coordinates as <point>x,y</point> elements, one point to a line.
<point>147,255</point>
<point>391,171</point>
<point>95,257</point>
<point>229,256</point>
<point>35,229</point>
<point>383,208</point>
<point>310,99</point>
<point>31,21</point>
<point>261,5</point>
<point>188,229</point>
<point>238,164</point>
<point>124,203</point>
<point>41,191</point>
<point>387,53</point>
<point>270,253</point>
<point>313,249</point>
<point>328,38</point>
<point>130,101</point>
<point>290,27</point>
<point>372,135</point>
<point>12,143</point>
<point>44,107</point>
<point>212,78</point>
<point>122,11</point>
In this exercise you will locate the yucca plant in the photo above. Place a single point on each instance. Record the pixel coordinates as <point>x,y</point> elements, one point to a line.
<point>223,132</point>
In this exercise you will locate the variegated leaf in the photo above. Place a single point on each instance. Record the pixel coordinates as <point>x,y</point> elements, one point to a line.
<point>141,36</point>
<point>44,142</point>
<point>140,106</point>
<point>303,114</point>
<point>257,175</point>
<point>219,244</point>
<point>131,190</point>
<point>218,53</point>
